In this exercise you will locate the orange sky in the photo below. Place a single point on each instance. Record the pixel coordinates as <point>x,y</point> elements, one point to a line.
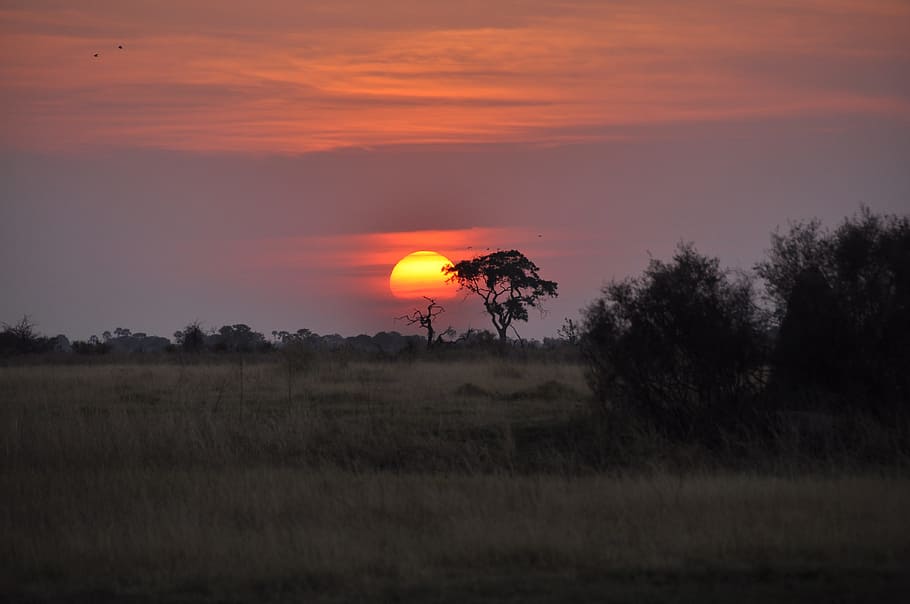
<point>362,262</point>
<point>269,162</point>
<point>304,76</point>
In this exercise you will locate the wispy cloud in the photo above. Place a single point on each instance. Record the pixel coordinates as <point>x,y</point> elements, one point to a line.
<point>293,77</point>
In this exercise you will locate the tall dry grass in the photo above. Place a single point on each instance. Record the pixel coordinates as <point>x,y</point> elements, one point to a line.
<point>397,482</point>
<point>439,416</point>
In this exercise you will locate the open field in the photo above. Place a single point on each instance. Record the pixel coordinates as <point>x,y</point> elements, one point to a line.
<point>424,481</point>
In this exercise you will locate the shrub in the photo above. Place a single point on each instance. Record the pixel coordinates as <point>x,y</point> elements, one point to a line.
<point>681,347</point>
<point>22,338</point>
<point>842,300</point>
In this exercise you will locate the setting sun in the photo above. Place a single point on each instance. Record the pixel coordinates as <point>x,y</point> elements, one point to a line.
<point>420,274</point>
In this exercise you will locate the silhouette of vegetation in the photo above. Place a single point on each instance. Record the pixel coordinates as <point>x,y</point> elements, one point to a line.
<point>507,282</point>
<point>238,338</point>
<point>681,346</point>
<point>570,331</point>
<point>125,341</point>
<point>191,338</point>
<point>425,319</point>
<point>92,346</point>
<point>21,338</point>
<point>842,300</point>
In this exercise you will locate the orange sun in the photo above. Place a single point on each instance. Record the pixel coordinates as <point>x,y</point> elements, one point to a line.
<point>420,274</point>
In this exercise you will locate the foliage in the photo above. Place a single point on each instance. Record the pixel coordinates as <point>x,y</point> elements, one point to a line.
<point>191,338</point>
<point>125,341</point>
<point>238,338</point>
<point>569,331</point>
<point>22,338</point>
<point>91,346</point>
<point>507,282</point>
<point>842,300</point>
<point>678,346</point>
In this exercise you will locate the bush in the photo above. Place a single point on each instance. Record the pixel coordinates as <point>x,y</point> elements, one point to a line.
<point>91,346</point>
<point>680,347</point>
<point>21,338</point>
<point>191,339</point>
<point>842,300</point>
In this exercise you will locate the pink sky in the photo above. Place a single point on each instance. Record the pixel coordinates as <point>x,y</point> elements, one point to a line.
<point>268,164</point>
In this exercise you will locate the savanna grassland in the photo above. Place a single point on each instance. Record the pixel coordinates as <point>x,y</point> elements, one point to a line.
<point>440,481</point>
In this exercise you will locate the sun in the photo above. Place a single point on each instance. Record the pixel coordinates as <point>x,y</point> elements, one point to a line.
<point>420,274</point>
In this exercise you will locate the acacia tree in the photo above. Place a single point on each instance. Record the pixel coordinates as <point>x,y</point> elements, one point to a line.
<point>507,282</point>
<point>425,319</point>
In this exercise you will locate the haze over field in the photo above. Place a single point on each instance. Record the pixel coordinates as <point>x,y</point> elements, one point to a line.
<point>270,166</point>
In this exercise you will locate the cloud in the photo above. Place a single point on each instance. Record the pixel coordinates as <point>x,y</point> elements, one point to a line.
<point>290,77</point>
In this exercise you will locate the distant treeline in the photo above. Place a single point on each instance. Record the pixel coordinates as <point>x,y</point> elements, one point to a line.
<point>23,339</point>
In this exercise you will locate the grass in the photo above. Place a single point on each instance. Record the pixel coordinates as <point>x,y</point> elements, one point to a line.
<point>400,482</point>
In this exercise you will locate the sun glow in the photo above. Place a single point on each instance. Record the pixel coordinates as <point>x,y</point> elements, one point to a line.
<point>420,274</point>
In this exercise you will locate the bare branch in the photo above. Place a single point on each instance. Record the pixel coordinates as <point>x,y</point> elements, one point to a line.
<point>424,319</point>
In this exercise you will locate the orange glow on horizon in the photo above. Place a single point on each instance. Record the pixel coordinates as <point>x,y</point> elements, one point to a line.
<point>420,274</point>
<point>360,264</point>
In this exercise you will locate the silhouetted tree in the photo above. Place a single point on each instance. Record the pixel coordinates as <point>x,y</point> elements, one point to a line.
<point>22,338</point>
<point>680,346</point>
<point>803,249</point>
<point>302,338</point>
<point>93,345</point>
<point>811,341</point>
<point>133,342</point>
<point>569,331</point>
<point>191,338</point>
<point>239,338</point>
<point>507,282</point>
<point>842,299</point>
<point>424,319</point>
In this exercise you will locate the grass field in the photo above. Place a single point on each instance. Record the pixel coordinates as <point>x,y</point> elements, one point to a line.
<point>401,482</point>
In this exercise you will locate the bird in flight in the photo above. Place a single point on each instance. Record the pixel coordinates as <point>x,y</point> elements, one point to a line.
<point>120,46</point>
<point>96,54</point>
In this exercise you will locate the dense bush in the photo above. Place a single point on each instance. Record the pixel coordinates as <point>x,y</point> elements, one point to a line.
<point>91,346</point>
<point>22,338</point>
<point>681,347</point>
<point>191,338</point>
<point>842,299</point>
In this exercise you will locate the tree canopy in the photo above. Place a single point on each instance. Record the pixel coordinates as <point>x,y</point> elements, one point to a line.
<point>507,282</point>
<point>678,345</point>
<point>842,301</point>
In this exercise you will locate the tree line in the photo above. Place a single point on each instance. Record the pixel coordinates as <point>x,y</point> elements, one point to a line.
<point>23,339</point>
<point>821,325</point>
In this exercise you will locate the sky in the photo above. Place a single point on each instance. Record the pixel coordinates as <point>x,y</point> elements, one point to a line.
<point>268,163</point>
